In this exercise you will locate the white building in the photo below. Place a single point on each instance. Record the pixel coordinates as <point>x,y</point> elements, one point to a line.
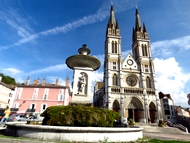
<point>6,94</point>
<point>168,110</point>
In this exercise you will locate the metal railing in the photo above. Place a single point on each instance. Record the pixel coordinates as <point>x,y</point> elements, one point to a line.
<point>179,126</point>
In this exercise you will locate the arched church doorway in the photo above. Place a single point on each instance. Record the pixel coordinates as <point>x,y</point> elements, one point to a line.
<point>152,112</point>
<point>135,110</point>
<point>116,107</point>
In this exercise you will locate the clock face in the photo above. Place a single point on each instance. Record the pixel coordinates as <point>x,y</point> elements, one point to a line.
<point>130,62</point>
<point>131,80</point>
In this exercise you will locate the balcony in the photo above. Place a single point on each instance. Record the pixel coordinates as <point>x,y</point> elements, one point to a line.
<point>133,90</point>
<point>115,89</point>
<point>14,109</point>
<point>30,110</point>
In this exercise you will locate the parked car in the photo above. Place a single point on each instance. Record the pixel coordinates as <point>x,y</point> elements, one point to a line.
<point>1,115</point>
<point>17,117</point>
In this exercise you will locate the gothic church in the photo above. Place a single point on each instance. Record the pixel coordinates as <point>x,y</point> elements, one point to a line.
<point>129,85</point>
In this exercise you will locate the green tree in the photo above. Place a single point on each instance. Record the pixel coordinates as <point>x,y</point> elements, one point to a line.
<point>7,79</point>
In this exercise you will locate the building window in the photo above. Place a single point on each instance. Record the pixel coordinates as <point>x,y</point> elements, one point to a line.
<point>60,97</point>
<point>43,107</point>
<point>115,47</point>
<point>112,47</point>
<point>10,94</point>
<point>19,93</point>
<point>35,94</point>
<point>144,50</point>
<point>166,106</point>
<point>165,101</point>
<point>32,106</point>
<point>167,112</point>
<point>45,96</point>
<point>114,82</point>
<point>146,68</point>
<point>61,91</point>
<point>148,82</point>
<point>16,105</point>
<point>114,65</point>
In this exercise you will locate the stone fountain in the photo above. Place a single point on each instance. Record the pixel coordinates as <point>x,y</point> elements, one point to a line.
<point>83,66</point>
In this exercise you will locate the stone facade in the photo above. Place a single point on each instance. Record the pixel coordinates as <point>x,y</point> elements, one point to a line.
<point>130,86</point>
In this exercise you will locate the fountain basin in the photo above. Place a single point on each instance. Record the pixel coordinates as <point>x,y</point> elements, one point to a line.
<point>74,134</point>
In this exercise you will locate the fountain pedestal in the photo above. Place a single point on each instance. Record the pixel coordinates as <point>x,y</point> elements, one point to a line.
<point>83,66</point>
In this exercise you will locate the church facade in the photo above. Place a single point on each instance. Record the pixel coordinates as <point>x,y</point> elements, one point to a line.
<point>129,84</point>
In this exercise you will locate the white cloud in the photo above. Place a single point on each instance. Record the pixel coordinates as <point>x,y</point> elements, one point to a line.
<point>52,80</point>
<point>11,71</point>
<point>97,76</point>
<point>171,79</point>
<point>168,47</point>
<point>16,21</point>
<point>19,80</point>
<point>100,15</point>
<point>56,68</point>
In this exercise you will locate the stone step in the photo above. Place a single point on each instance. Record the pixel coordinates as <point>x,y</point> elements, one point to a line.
<point>166,130</point>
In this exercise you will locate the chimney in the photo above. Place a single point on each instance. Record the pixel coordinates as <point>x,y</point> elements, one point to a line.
<point>44,81</point>
<point>27,81</point>
<point>67,81</point>
<point>56,82</point>
<point>38,81</point>
<point>34,82</point>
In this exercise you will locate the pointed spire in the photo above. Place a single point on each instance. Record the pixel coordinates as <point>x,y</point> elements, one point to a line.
<point>112,26</point>
<point>27,81</point>
<point>144,28</point>
<point>112,16</point>
<point>138,26</point>
<point>44,81</point>
<point>133,35</point>
<point>56,81</point>
<point>117,25</point>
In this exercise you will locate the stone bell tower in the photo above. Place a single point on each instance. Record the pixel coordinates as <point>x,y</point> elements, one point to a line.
<point>83,66</point>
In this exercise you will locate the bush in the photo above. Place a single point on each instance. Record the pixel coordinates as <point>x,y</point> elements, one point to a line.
<point>161,123</point>
<point>79,116</point>
<point>131,121</point>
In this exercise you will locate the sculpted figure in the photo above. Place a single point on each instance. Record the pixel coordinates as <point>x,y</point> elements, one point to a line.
<point>81,84</point>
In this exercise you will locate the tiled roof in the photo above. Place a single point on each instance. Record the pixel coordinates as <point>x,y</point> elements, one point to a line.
<point>45,85</point>
<point>162,95</point>
<point>7,85</point>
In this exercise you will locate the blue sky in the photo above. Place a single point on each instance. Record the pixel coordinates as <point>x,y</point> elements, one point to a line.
<point>38,36</point>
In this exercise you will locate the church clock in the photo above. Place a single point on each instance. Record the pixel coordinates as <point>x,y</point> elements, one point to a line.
<point>129,62</point>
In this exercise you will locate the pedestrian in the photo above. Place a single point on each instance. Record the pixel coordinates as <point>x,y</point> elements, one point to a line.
<point>6,116</point>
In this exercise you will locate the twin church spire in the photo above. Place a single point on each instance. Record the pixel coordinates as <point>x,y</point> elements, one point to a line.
<point>139,32</point>
<point>112,26</point>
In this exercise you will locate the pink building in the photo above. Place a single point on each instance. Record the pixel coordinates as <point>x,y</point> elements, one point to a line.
<point>36,97</point>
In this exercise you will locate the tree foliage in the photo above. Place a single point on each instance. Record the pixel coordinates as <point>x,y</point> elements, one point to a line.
<point>7,79</point>
<point>81,116</point>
